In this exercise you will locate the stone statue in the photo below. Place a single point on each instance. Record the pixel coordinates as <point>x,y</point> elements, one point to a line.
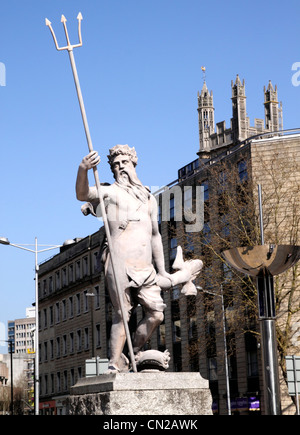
<point>132,217</point>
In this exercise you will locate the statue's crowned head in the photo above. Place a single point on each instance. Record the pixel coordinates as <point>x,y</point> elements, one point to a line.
<point>124,150</point>
<point>127,178</point>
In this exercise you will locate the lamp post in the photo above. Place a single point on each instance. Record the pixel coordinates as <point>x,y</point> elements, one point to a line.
<point>263,262</point>
<point>35,251</point>
<point>225,344</point>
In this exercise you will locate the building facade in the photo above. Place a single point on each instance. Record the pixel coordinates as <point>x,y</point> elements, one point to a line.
<point>75,313</point>
<point>21,332</point>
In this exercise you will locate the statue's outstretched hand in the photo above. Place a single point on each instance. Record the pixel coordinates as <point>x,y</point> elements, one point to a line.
<point>91,160</point>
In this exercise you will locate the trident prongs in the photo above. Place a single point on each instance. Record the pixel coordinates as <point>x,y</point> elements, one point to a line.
<point>68,47</point>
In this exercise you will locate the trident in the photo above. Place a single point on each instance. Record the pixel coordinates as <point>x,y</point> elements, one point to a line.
<point>70,47</point>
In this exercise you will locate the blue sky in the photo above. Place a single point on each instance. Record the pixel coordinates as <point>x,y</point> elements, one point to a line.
<point>140,70</point>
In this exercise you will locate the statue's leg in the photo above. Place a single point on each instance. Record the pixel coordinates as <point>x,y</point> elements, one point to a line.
<point>145,328</point>
<point>117,333</point>
<point>117,340</point>
<point>149,296</point>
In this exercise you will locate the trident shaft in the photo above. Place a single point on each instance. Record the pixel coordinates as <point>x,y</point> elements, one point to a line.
<point>70,47</point>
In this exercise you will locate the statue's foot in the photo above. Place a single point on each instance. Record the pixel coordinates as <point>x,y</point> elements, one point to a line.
<point>122,365</point>
<point>112,368</point>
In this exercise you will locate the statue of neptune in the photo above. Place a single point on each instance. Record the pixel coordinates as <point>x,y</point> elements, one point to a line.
<point>132,218</point>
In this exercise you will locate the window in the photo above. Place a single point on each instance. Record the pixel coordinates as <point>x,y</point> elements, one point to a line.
<point>57,312</point>
<point>85,266</point>
<point>50,284</point>
<point>64,310</point>
<point>64,277</point>
<point>52,383</point>
<point>71,272</point>
<point>78,340</point>
<point>51,315</point>
<point>77,271</point>
<point>176,331</point>
<point>176,322</point>
<point>44,287</point>
<point>57,347</point>
<point>188,198</point>
<point>222,182</point>
<point>189,242</point>
<point>205,193</point>
<point>97,296</point>
<point>45,351</point>
<point>58,385</point>
<point>242,169</point>
<point>71,307</point>
<point>95,262</point>
<point>225,227</point>
<point>46,384</point>
<point>212,369</point>
<point>206,233</point>
<point>159,214</point>
<point>78,307</point>
<point>65,385</point>
<point>192,327</point>
<point>175,292</point>
<point>173,248</point>
<point>172,206</point>
<point>64,345</point>
<point>51,349</point>
<point>98,335</point>
<point>252,363</point>
<point>85,301</point>
<point>45,317</point>
<point>86,338</point>
<point>72,377</point>
<point>57,280</point>
<point>71,342</point>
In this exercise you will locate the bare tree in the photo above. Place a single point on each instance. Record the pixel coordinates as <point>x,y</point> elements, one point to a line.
<point>230,220</point>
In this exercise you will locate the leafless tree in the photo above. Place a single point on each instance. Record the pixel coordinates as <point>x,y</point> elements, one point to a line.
<point>231,219</point>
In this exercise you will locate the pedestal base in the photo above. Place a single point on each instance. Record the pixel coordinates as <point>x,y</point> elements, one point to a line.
<point>155,393</point>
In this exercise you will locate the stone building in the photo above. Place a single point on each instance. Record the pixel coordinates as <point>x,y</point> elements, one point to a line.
<point>274,163</point>
<point>74,308</point>
<point>21,332</point>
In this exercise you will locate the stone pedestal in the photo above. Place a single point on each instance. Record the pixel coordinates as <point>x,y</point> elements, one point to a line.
<point>145,393</point>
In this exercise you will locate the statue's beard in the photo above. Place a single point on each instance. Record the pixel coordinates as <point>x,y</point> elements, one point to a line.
<point>129,181</point>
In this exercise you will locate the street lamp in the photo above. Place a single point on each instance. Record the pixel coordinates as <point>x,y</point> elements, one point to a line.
<point>5,241</point>
<point>225,343</point>
<point>263,262</point>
